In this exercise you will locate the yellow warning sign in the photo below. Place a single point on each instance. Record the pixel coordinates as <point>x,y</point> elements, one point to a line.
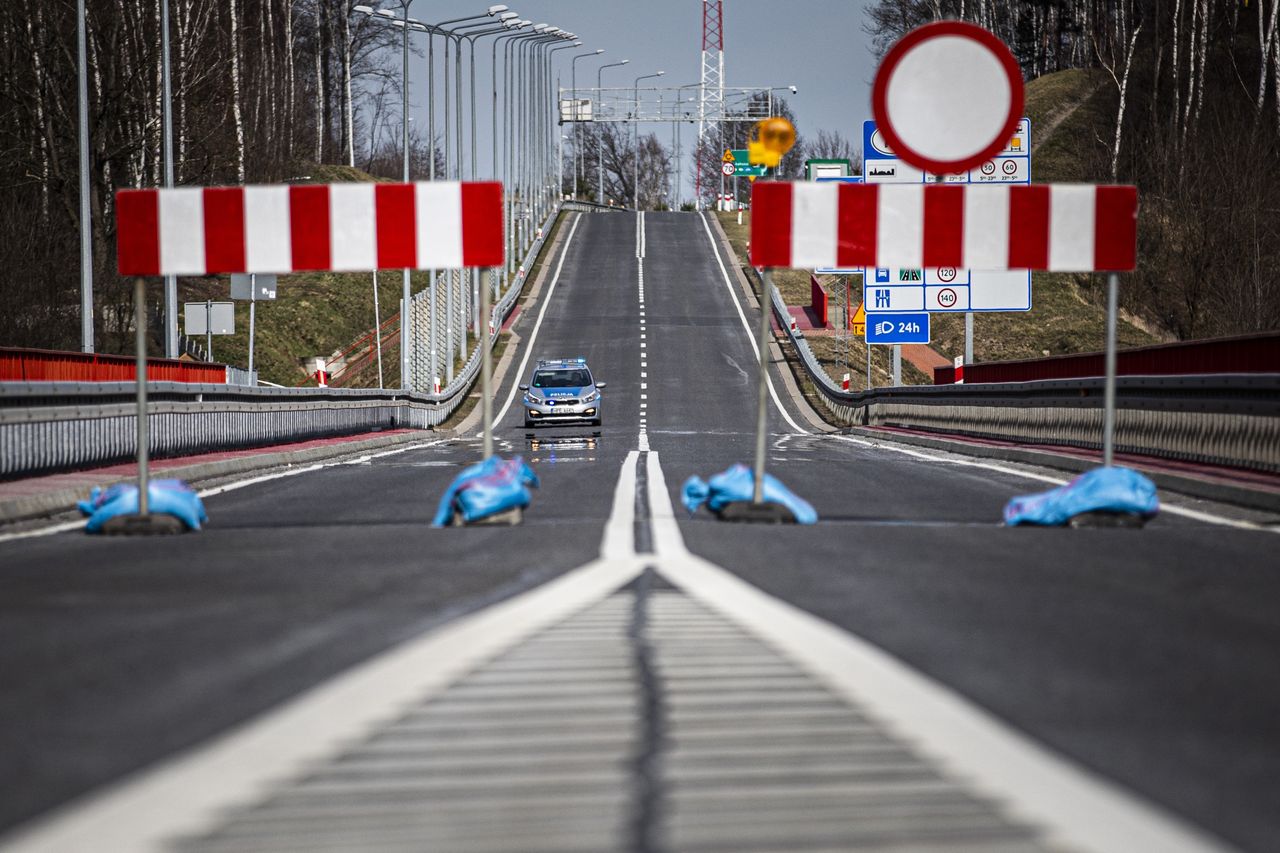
<point>858,322</point>
<point>728,156</point>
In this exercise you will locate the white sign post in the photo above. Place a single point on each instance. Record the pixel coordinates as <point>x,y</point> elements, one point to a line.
<point>209,318</point>
<point>255,286</point>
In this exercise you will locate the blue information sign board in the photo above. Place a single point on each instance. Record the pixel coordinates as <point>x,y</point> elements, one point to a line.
<point>912,328</point>
<point>944,289</point>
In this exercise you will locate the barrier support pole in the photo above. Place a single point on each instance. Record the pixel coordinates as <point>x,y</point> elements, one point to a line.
<point>486,369</point>
<point>140,323</point>
<point>253,304</point>
<point>1109,389</point>
<point>766,289</point>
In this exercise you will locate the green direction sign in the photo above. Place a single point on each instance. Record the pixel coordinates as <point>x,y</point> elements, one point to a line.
<point>735,163</point>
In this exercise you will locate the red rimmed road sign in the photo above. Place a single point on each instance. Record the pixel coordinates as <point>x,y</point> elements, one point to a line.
<point>947,96</point>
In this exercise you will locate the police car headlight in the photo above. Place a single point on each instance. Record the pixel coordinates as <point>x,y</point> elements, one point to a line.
<point>529,398</point>
<point>590,397</point>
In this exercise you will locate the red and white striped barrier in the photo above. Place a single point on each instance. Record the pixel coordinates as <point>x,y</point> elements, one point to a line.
<point>282,229</point>
<point>1059,227</point>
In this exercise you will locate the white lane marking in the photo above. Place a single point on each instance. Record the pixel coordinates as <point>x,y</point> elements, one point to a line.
<point>68,526</point>
<point>1075,808</point>
<point>644,440</point>
<point>746,327</point>
<point>190,793</point>
<point>1174,509</point>
<point>61,527</point>
<point>619,531</point>
<point>542,312</point>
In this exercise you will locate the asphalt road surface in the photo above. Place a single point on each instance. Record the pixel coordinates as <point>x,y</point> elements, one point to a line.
<point>1148,656</point>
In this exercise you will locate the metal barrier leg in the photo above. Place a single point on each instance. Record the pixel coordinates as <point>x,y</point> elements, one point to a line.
<point>140,322</point>
<point>762,343</point>
<point>486,370</point>
<point>1109,389</point>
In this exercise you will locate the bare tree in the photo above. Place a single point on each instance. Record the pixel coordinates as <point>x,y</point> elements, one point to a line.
<point>833,145</point>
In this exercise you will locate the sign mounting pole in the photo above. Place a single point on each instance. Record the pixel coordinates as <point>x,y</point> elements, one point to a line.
<point>1109,388</point>
<point>766,292</point>
<point>139,321</point>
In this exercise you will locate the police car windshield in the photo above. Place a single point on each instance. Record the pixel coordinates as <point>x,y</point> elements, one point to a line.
<point>566,378</point>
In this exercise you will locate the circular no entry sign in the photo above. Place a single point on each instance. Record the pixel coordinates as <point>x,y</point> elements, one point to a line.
<point>947,96</point>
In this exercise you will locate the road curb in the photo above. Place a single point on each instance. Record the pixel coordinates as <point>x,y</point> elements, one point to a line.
<point>64,500</point>
<point>1196,487</point>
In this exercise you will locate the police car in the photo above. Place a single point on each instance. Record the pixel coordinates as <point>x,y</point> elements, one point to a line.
<point>561,391</point>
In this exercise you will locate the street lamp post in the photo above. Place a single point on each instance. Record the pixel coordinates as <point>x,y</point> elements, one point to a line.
<point>455,95</point>
<point>560,180</point>
<point>577,136</point>
<point>555,106</point>
<point>487,29</point>
<point>599,146</point>
<point>676,133</point>
<point>405,332</point>
<point>508,120</point>
<point>170,282</point>
<point>86,226</point>
<point>635,186</point>
<point>405,24</point>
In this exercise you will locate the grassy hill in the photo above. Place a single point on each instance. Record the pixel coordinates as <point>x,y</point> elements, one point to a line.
<point>313,313</point>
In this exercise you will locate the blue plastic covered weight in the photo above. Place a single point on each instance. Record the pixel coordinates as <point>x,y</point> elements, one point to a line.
<point>164,497</point>
<point>738,484</point>
<point>1107,490</point>
<point>486,488</point>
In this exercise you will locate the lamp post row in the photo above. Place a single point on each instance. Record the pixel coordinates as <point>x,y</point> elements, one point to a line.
<point>529,163</point>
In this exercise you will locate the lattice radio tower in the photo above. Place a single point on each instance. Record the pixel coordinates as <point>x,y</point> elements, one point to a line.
<point>711,94</point>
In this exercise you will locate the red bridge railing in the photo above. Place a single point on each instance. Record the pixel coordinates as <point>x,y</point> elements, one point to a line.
<point>1241,354</point>
<point>35,365</point>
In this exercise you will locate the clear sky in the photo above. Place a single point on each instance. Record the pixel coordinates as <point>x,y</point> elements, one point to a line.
<point>817,45</point>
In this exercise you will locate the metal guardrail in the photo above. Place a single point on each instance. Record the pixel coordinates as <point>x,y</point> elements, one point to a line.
<point>50,426</point>
<point>1222,419</point>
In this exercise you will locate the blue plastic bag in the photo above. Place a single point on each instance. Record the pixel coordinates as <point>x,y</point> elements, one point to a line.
<point>164,497</point>
<point>1119,490</point>
<point>486,488</point>
<point>738,484</point>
